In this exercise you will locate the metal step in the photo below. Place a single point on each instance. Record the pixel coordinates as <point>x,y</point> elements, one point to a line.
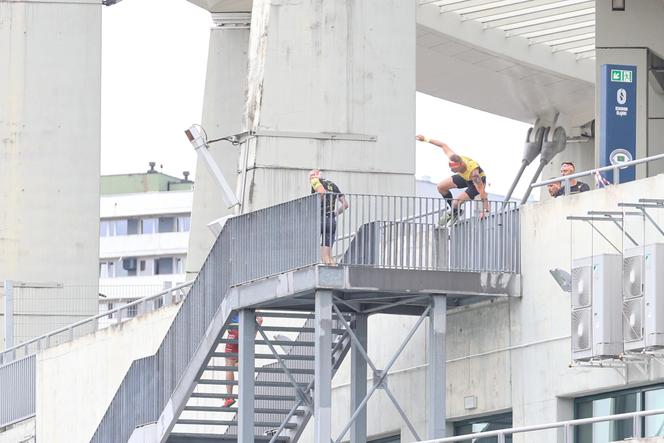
<point>260,369</point>
<point>223,395</point>
<point>265,356</point>
<point>274,384</point>
<point>235,410</point>
<point>273,342</point>
<point>264,424</point>
<point>336,331</point>
<point>294,315</point>
<point>218,438</point>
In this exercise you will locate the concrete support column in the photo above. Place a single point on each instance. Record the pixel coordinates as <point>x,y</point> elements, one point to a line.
<point>358,380</point>
<point>323,367</point>
<point>321,67</point>
<point>436,383</point>
<point>50,126</point>
<point>246,369</point>
<point>223,110</point>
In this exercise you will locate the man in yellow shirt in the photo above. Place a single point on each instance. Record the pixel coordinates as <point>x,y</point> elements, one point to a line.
<point>468,175</point>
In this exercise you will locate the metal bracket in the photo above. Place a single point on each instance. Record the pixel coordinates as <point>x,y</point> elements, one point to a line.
<point>380,379</point>
<point>242,137</point>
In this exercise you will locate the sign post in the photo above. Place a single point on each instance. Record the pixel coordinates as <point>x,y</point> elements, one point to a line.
<point>617,138</point>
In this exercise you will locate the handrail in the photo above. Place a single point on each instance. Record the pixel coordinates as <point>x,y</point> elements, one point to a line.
<point>567,425</point>
<point>25,345</point>
<point>615,168</point>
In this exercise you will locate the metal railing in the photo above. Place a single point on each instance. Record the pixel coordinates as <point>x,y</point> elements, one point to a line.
<point>18,381</point>
<point>74,330</point>
<point>379,231</point>
<point>567,426</point>
<point>250,246</point>
<point>411,233</point>
<point>565,179</point>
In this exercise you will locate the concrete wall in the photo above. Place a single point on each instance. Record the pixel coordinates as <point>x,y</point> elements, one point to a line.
<point>512,354</point>
<point>76,381</point>
<point>49,144</point>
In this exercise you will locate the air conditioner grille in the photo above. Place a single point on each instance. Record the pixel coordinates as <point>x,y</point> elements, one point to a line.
<point>581,287</point>
<point>581,329</point>
<point>632,277</point>
<point>633,320</point>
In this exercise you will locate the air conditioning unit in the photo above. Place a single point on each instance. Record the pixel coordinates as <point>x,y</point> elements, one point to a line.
<point>643,311</point>
<point>596,307</point>
<point>129,264</point>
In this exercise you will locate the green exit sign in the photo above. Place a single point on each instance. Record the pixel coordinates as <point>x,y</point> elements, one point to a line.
<point>621,76</point>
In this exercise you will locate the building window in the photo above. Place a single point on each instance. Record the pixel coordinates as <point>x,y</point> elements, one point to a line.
<point>631,400</point>
<point>133,226</point>
<point>166,224</point>
<point>119,227</point>
<point>484,424</point>
<point>184,223</point>
<point>148,225</point>
<point>106,269</point>
<point>163,265</point>
<point>104,228</point>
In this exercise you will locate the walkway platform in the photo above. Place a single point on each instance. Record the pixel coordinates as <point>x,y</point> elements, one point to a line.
<point>369,289</point>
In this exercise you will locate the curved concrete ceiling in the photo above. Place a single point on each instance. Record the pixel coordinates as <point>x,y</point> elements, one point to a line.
<point>470,62</point>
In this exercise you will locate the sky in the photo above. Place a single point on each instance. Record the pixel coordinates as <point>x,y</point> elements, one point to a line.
<point>154,57</point>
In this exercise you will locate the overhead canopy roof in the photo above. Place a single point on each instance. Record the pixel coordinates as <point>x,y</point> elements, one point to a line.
<point>562,25</point>
<point>517,58</point>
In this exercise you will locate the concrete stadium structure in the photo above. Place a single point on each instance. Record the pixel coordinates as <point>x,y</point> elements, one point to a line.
<point>316,83</point>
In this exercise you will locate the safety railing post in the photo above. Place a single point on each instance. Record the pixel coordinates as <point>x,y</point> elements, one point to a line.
<point>9,314</point>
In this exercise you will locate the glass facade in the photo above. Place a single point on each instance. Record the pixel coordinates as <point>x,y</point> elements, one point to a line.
<point>631,400</point>
<point>484,424</point>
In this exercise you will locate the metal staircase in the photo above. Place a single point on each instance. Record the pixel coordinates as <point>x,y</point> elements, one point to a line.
<point>281,413</point>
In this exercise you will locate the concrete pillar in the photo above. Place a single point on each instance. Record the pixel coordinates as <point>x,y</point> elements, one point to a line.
<point>50,118</point>
<point>358,380</point>
<point>223,107</point>
<point>323,367</point>
<point>318,67</point>
<point>246,365</point>
<point>436,384</point>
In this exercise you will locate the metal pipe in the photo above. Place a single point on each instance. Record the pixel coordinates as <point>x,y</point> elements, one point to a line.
<point>593,171</point>
<point>524,199</point>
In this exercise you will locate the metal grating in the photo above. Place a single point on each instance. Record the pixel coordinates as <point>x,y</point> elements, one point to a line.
<point>562,25</point>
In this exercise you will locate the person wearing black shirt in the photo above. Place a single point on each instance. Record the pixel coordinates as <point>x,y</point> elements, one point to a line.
<point>575,186</point>
<point>333,204</point>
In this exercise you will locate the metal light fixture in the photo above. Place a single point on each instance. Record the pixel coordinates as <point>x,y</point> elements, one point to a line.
<point>201,147</point>
<point>563,278</point>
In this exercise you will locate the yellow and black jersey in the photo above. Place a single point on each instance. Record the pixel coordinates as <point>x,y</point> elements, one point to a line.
<point>471,165</point>
<point>330,188</point>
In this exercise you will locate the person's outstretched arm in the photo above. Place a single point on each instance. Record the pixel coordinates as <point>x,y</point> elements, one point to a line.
<point>443,146</point>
